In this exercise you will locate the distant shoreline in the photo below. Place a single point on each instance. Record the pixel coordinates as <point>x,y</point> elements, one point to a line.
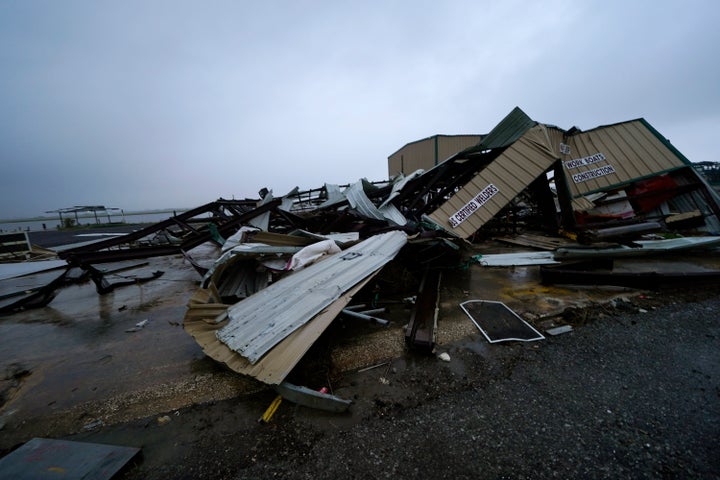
<point>90,215</point>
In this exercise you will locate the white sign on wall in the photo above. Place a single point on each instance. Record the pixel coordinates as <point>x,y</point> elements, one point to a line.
<point>579,162</point>
<point>595,173</point>
<point>473,205</point>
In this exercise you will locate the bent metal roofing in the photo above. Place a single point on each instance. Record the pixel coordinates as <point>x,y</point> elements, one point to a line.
<point>261,321</point>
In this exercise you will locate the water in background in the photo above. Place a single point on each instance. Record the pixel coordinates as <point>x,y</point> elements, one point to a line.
<point>54,223</point>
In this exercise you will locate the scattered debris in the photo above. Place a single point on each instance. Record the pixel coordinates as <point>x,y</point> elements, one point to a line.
<point>138,326</point>
<point>559,330</point>
<point>602,271</point>
<point>498,323</point>
<point>421,332</point>
<point>48,458</point>
<point>94,425</point>
<point>289,266</point>
<point>372,367</point>
<point>311,398</point>
<point>271,409</point>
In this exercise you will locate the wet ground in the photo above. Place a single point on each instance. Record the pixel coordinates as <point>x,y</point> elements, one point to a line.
<point>82,367</point>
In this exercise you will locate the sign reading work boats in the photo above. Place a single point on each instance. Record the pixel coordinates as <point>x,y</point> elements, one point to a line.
<point>589,174</point>
<point>581,162</point>
<point>473,205</point>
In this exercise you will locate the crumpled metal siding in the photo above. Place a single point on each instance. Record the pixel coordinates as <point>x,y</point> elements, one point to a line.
<point>516,168</point>
<point>259,322</point>
<point>359,201</point>
<point>631,148</point>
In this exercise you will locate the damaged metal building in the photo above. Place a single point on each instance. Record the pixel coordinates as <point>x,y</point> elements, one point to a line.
<point>611,175</point>
<point>290,265</point>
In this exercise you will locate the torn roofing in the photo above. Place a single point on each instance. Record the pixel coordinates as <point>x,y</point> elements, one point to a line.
<point>510,128</point>
<point>261,321</point>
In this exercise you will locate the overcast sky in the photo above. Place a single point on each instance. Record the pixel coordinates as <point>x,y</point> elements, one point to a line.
<point>170,104</point>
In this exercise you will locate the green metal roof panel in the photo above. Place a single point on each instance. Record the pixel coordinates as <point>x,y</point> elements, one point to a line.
<point>510,128</point>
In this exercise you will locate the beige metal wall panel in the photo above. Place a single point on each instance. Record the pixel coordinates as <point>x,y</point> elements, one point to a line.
<point>394,166</point>
<point>449,145</point>
<point>630,148</point>
<point>510,173</point>
<point>423,154</point>
<point>420,154</point>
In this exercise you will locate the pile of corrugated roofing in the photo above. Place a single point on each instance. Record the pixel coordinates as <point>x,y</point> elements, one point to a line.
<point>614,182</point>
<point>254,312</point>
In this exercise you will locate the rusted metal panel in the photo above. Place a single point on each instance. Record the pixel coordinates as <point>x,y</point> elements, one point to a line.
<point>615,155</point>
<point>509,174</point>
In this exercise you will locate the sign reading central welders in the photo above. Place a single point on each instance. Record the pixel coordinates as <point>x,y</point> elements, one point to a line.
<point>473,205</point>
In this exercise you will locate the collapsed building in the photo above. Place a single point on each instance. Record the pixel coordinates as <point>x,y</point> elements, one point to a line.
<point>290,265</point>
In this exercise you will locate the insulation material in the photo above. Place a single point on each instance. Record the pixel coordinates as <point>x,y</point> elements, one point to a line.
<point>311,254</point>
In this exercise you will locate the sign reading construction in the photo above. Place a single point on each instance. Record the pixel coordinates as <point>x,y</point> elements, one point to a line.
<point>579,162</point>
<point>473,205</point>
<point>595,173</point>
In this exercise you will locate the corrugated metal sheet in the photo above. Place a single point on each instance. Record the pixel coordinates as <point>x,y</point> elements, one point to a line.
<point>278,362</point>
<point>260,322</point>
<point>334,196</point>
<point>632,150</point>
<point>511,172</point>
<point>359,201</point>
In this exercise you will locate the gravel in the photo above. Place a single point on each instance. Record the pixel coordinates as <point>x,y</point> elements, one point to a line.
<point>630,395</point>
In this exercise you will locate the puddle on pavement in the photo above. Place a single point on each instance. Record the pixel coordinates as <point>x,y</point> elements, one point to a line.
<point>78,349</point>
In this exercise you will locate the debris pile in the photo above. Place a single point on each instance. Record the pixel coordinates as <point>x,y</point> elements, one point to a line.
<point>290,265</point>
